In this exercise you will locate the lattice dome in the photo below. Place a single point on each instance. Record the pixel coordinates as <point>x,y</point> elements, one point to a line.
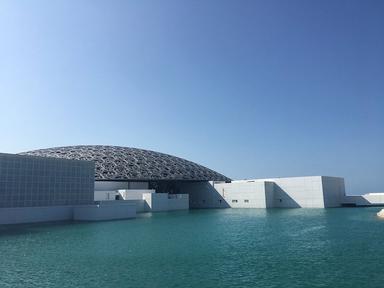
<point>123,163</point>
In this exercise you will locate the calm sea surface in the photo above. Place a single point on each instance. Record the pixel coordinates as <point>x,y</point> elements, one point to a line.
<point>201,248</point>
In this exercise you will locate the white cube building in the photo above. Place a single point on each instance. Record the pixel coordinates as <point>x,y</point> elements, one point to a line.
<point>292,192</point>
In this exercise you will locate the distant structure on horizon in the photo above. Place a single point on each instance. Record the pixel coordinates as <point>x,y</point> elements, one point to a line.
<point>94,182</point>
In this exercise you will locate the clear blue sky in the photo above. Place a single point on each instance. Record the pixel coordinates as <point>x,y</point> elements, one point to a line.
<point>249,88</point>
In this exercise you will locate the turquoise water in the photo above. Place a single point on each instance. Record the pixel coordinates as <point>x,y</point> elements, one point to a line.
<point>200,248</point>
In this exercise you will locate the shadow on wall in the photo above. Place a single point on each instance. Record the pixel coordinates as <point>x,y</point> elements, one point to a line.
<point>357,200</point>
<point>218,199</point>
<point>333,191</point>
<point>282,199</point>
<point>204,195</point>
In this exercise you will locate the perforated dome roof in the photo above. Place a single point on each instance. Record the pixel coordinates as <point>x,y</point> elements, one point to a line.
<point>122,163</point>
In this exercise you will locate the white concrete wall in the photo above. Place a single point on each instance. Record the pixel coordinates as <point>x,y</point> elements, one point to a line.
<point>162,202</point>
<point>134,194</point>
<point>334,191</point>
<point>306,192</point>
<point>141,206</point>
<point>245,194</point>
<point>270,194</point>
<point>106,211</point>
<point>104,195</point>
<point>374,198</point>
<point>370,199</point>
<point>122,210</point>
<point>35,214</point>
<point>178,202</point>
<point>291,192</point>
<point>156,203</point>
<point>296,192</point>
<point>203,195</point>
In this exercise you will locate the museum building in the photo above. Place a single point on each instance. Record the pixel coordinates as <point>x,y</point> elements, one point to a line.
<point>97,182</point>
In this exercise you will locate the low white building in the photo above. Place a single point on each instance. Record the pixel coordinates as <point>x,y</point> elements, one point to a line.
<point>145,200</point>
<point>291,192</point>
<point>96,182</point>
<point>369,199</point>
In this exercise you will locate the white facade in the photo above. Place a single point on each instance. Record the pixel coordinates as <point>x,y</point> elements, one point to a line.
<point>370,199</point>
<point>147,200</point>
<point>17,215</point>
<point>289,192</point>
<point>134,194</point>
<point>104,195</point>
<point>292,192</point>
<point>105,211</point>
<point>307,192</point>
<point>246,194</point>
<point>156,202</point>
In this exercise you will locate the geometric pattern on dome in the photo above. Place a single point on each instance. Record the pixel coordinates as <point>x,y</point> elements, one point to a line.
<point>124,163</point>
